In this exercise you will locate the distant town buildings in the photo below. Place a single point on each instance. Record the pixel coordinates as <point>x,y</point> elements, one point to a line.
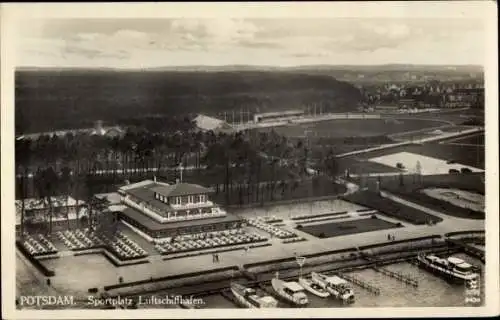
<point>430,94</point>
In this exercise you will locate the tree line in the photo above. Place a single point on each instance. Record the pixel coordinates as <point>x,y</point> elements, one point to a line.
<point>246,166</point>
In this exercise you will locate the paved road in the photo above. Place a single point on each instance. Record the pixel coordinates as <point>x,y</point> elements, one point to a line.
<point>157,267</point>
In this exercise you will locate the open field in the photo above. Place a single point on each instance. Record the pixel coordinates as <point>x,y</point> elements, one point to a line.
<point>428,165</point>
<point>467,155</point>
<point>353,128</point>
<point>427,133</point>
<point>392,209</point>
<point>477,139</point>
<point>335,229</point>
<point>412,186</point>
<point>459,198</point>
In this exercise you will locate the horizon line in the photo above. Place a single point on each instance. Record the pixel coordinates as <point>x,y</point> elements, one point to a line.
<point>249,66</point>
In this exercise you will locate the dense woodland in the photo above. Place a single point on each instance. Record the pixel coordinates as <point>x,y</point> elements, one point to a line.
<point>244,167</point>
<point>54,100</point>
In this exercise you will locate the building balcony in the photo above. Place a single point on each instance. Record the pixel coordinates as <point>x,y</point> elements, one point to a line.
<point>188,206</point>
<point>167,217</point>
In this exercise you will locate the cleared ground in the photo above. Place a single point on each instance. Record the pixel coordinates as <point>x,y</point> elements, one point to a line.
<point>428,165</point>
<point>335,229</point>
<point>468,155</point>
<point>459,198</point>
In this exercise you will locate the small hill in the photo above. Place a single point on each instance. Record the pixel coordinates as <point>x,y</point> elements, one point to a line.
<point>59,99</point>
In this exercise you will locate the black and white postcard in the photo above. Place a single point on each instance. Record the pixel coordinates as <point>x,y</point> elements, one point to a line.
<point>303,159</point>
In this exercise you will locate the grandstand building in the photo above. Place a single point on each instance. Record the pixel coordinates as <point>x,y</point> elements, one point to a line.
<point>278,116</point>
<point>158,210</point>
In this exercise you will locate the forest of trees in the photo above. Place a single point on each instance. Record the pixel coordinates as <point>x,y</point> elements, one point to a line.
<point>243,167</point>
<point>56,100</point>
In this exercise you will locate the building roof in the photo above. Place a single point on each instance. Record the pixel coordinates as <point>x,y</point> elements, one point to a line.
<point>112,197</point>
<point>140,184</point>
<point>145,194</point>
<point>335,280</point>
<point>294,286</point>
<point>455,260</point>
<point>280,113</point>
<point>180,189</point>
<point>154,225</point>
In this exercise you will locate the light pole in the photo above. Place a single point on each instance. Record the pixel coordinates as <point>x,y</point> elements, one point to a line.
<point>300,262</point>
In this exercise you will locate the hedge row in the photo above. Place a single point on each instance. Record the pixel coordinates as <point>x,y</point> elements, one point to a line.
<point>325,219</point>
<point>391,208</point>
<point>319,215</point>
<point>43,269</point>
<point>217,246</point>
<point>215,251</point>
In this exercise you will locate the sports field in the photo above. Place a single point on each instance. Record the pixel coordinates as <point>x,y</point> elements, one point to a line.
<point>471,140</point>
<point>335,229</point>
<point>352,128</point>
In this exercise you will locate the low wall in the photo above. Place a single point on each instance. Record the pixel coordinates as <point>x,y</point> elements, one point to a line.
<point>38,265</point>
<point>158,284</point>
<point>198,253</point>
<point>465,233</point>
<point>397,242</point>
<point>291,262</point>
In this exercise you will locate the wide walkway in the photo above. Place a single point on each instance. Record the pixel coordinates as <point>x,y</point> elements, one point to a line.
<point>77,274</point>
<point>83,273</point>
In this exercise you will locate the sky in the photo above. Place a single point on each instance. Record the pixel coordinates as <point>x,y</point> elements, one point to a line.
<point>164,42</point>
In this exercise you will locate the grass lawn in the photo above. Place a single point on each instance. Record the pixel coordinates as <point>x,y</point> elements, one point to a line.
<point>477,139</point>
<point>390,208</point>
<point>353,127</point>
<point>335,229</point>
<point>411,187</point>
